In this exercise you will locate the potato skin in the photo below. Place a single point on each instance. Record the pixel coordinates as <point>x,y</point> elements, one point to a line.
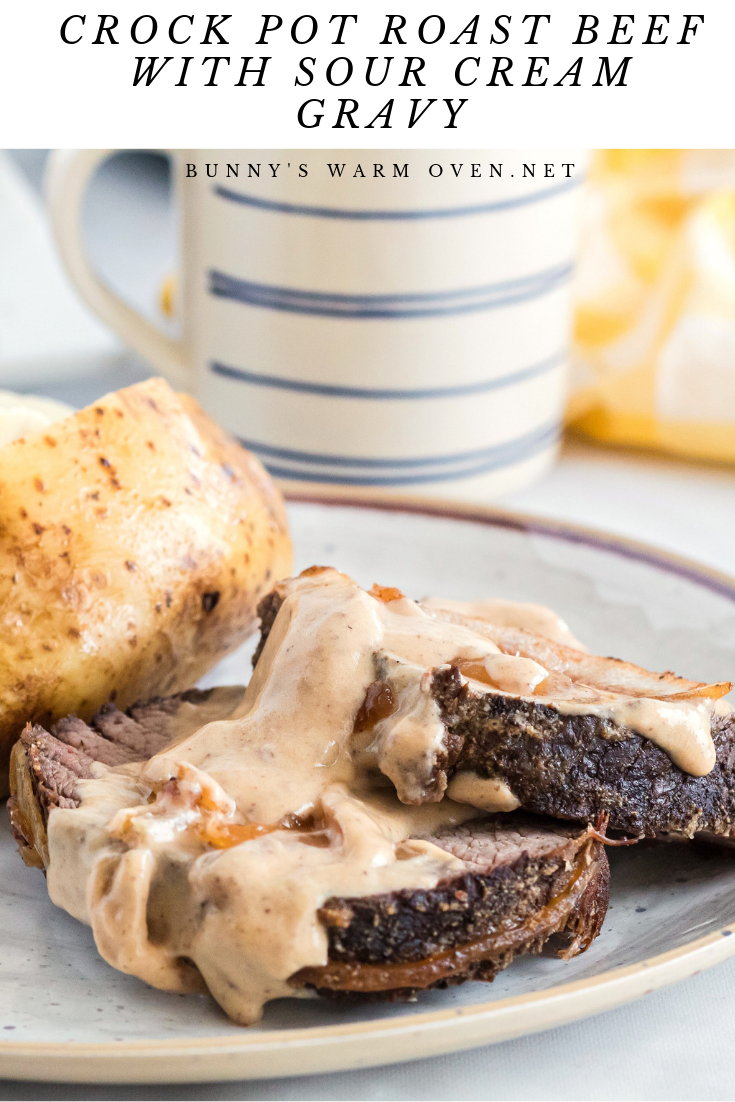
<point>136,539</point>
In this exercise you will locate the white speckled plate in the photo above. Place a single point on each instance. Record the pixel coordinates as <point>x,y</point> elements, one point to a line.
<point>64,1014</point>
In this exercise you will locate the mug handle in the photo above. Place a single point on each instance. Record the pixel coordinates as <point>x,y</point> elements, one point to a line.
<point>68,174</point>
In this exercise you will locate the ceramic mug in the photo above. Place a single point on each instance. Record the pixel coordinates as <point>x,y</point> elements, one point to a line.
<point>403,330</point>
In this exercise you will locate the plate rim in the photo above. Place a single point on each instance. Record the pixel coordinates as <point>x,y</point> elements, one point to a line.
<point>195,1059</point>
<point>718,581</point>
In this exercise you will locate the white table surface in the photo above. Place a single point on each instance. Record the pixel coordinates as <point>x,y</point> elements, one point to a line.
<point>678,1043</point>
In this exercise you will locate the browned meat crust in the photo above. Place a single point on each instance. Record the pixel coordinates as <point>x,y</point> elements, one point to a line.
<point>526,881</point>
<point>267,612</point>
<point>579,767</point>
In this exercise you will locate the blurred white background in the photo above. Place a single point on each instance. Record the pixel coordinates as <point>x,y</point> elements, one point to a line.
<point>49,341</point>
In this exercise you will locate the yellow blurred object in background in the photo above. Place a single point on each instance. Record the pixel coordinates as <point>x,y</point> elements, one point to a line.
<point>654,356</point>
<point>167,298</point>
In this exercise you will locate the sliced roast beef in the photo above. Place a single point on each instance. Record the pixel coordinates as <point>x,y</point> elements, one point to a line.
<point>581,766</point>
<point>573,766</point>
<point>525,882</point>
<point>46,766</point>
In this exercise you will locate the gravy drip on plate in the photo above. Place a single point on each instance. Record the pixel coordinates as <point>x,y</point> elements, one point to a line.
<point>210,861</point>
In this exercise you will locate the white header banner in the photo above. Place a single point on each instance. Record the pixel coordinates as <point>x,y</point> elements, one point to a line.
<point>408,73</point>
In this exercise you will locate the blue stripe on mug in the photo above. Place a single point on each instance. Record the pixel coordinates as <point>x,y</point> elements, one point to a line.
<point>396,215</point>
<point>404,471</point>
<point>377,394</point>
<point>442,303</point>
<point>525,448</point>
<point>339,298</point>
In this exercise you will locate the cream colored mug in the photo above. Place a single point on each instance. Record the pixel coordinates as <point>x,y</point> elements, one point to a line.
<point>403,324</point>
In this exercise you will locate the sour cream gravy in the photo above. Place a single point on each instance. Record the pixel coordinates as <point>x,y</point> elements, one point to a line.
<point>512,614</point>
<point>212,859</point>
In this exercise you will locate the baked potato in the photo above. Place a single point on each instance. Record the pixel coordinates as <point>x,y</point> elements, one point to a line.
<point>136,539</point>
